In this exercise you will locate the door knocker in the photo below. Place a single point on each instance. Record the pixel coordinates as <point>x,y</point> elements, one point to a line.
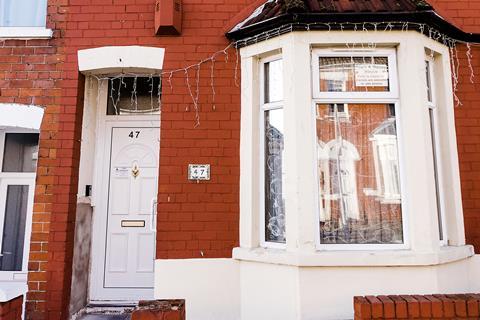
<point>135,171</point>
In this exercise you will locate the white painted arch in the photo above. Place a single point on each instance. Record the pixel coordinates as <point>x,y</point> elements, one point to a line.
<point>23,116</point>
<point>121,59</point>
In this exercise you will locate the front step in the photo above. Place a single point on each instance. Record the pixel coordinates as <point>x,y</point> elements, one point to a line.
<point>104,312</point>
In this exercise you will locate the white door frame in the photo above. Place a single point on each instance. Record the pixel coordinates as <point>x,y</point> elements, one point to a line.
<point>103,140</point>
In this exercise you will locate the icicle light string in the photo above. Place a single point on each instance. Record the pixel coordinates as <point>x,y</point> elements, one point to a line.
<point>385,26</point>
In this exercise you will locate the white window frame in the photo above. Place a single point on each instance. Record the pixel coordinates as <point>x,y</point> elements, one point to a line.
<point>275,105</point>
<point>16,178</point>
<point>347,98</point>
<point>342,52</point>
<point>432,109</point>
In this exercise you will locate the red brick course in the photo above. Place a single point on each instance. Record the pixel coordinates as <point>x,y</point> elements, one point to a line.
<point>450,306</point>
<point>11,310</point>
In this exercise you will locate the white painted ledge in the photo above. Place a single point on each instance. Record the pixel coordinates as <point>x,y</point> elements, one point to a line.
<point>20,116</point>
<point>121,59</point>
<point>387,258</point>
<point>12,290</point>
<point>25,33</point>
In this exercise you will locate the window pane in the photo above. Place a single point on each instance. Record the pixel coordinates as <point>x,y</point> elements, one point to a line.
<point>274,177</point>
<point>359,176</point>
<point>129,96</point>
<point>23,13</point>
<point>350,74</point>
<point>14,228</point>
<point>273,81</point>
<point>21,152</point>
<point>437,178</point>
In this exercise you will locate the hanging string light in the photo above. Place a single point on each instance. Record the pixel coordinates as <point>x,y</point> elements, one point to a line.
<point>365,27</point>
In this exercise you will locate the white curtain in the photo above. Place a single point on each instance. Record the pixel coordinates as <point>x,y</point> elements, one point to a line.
<point>23,13</point>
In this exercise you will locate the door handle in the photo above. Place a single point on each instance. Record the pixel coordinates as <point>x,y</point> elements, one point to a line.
<point>153,224</point>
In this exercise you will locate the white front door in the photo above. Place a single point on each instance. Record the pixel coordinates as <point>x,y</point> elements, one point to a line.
<point>132,196</point>
<point>125,214</point>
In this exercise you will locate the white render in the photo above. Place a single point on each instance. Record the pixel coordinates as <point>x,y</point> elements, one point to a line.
<point>121,59</point>
<point>211,287</point>
<point>308,280</point>
<point>217,289</point>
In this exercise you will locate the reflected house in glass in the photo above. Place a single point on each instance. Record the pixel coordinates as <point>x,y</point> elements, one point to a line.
<point>354,215</point>
<point>274,202</point>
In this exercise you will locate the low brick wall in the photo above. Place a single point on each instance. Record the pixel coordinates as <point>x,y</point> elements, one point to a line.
<point>11,310</point>
<point>438,306</point>
<point>160,310</point>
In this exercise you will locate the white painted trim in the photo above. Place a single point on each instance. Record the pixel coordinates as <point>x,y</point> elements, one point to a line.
<point>25,33</point>
<point>354,258</point>
<point>14,115</point>
<point>12,290</point>
<point>121,59</point>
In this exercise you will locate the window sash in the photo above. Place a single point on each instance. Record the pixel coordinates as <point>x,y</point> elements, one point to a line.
<point>436,149</point>
<point>264,107</point>
<point>379,95</point>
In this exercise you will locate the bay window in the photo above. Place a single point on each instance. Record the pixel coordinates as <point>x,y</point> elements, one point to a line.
<point>340,161</point>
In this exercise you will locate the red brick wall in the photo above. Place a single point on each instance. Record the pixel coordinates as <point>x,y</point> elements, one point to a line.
<point>422,307</point>
<point>12,310</point>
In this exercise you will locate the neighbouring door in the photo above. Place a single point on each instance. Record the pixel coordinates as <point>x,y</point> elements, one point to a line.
<point>131,209</point>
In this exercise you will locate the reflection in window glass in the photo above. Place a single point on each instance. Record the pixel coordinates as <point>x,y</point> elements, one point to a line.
<point>134,95</point>
<point>273,81</point>
<point>350,74</point>
<point>359,179</point>
<point>23,13</point>
<point>274,177</point>
<point>13,238</point>
<point>21,152</point>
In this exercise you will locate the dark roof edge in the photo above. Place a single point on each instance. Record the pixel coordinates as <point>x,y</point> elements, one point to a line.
<point>319,21</point>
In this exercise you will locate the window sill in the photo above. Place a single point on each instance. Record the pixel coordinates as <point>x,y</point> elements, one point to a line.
<point>12,290</point>
<point>25,33</point>
<point>354,258</point>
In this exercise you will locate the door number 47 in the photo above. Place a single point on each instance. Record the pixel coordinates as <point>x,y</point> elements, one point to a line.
<point>134,134</point>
